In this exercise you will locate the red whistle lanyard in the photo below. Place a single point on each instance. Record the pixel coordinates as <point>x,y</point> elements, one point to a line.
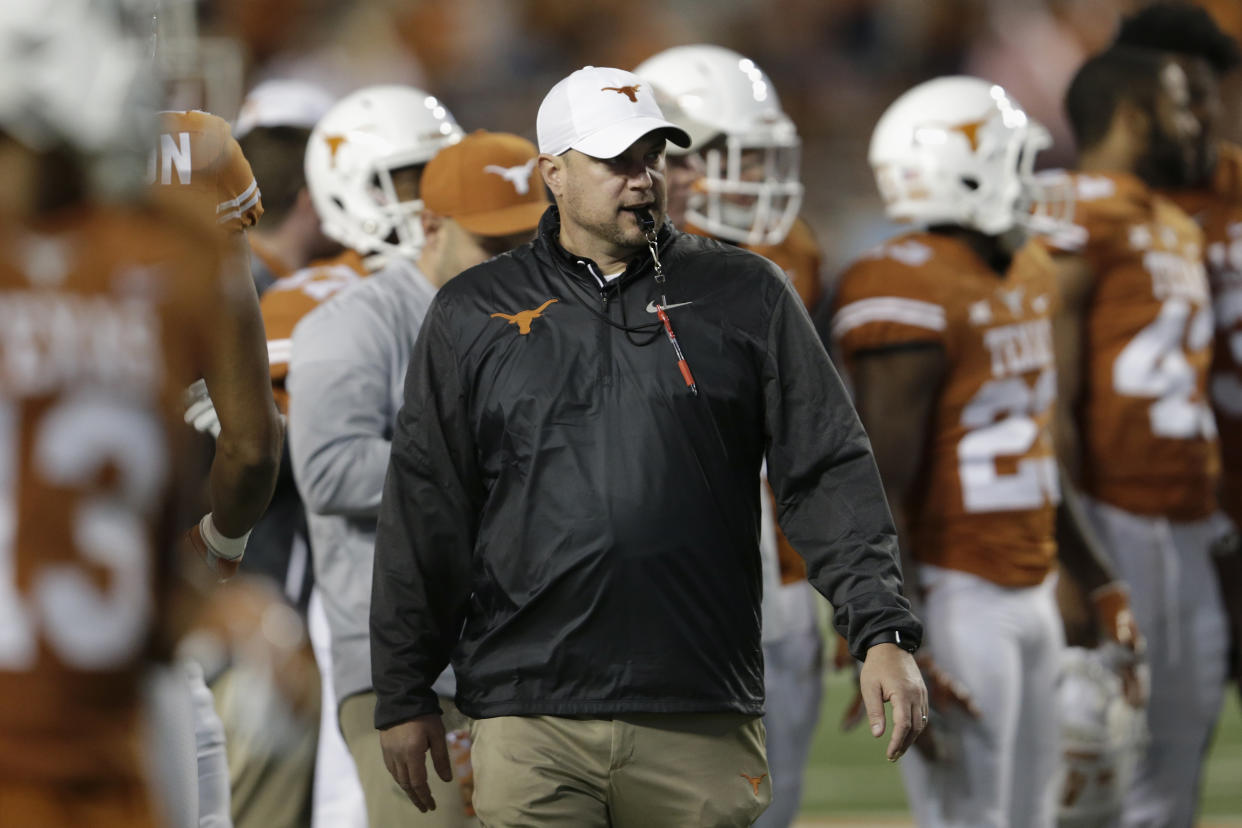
<point>682,365</point>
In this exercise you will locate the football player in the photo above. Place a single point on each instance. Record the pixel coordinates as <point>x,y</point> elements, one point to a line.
<point>738,181</point>
<point>1135,294</point>
<point>198,170</point>
<point>1212,195</point>
<point>107,312</point>
<point>948,336</point>
<point>271,737</point>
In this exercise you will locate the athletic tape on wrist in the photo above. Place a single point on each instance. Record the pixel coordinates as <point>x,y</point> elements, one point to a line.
<point>230,549</point>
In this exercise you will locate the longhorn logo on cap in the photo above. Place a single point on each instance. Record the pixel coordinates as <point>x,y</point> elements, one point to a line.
<point>630,92</point>
<point>518,176</point>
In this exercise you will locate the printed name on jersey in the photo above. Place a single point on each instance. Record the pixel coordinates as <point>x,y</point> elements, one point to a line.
<point>168,155</point>
<point>50,342</point>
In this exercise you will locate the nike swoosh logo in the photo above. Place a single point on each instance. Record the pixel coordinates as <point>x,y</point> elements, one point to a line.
<point>651,306</point>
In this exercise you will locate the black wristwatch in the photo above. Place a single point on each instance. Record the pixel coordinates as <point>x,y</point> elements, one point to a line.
<point>905,641</point>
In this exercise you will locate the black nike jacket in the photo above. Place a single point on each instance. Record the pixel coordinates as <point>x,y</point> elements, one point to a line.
<point>575,529</point>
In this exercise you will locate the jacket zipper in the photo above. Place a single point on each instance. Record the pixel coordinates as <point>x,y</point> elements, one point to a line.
<point>605,331</point>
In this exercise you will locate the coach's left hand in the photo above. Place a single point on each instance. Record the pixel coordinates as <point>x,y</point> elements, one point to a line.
<point>889,674</point>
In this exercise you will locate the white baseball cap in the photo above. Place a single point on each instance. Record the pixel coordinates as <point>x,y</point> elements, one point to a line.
<point>600,112</point>
<point>282,102</point>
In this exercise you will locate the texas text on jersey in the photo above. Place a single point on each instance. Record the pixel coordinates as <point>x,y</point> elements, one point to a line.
<point>989,482</point>
<point>1149,435</point>
<point>104,318</point>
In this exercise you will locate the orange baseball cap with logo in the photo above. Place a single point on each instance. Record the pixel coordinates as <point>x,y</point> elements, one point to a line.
<point>488,182</point>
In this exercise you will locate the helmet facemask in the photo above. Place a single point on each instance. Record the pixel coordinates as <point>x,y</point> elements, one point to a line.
<point>751,192</point>
<point>363,163</point>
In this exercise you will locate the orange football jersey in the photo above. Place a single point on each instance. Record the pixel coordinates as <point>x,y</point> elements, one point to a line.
<point>197,166</point>
<point>988,480</point>
<point>1148,433</point>
<point>1219,214</point>
<point>289,299</point>
<point>105,317</point>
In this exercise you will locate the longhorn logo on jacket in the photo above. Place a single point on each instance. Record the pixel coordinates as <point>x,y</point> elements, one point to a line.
<point>523,319</point>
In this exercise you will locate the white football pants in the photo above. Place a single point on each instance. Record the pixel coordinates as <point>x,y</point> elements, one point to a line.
<point>188,757</point>
<point>1177,604</point>
<point>1004,646</point>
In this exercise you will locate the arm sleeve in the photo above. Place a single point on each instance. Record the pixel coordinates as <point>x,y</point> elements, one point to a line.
<point>829,497</point>
<point>340,404</point>
<point>427,528</point>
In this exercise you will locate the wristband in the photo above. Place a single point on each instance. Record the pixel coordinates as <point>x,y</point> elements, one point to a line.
<point>229,549</point>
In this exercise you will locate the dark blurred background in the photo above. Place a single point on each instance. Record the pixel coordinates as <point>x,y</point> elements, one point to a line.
<point>836,63</point>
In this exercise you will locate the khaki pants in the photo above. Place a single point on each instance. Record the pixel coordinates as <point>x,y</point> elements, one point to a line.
<point>387,804</point>
<point>637,771</point>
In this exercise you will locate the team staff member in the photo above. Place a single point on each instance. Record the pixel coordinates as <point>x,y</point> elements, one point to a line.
<point>572,505</point>
<point>361,341</point>
<point>363,163</point>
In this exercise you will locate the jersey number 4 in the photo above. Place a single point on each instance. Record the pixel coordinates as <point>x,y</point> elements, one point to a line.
<point>1153,365</point>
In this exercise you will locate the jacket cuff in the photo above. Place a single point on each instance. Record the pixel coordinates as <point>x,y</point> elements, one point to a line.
<point>390,712</point>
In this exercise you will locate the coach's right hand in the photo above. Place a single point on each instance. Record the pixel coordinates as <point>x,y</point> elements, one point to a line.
<point>405,749</point>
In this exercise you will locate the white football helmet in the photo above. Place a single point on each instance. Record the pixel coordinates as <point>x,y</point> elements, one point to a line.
<point>751,192</point>
<point>350,158</point>
<point>1102,738</point>
<point>73,77</point>
<point>959,150</point>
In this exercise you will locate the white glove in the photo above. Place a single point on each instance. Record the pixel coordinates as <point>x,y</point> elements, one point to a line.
<point>199,410</point>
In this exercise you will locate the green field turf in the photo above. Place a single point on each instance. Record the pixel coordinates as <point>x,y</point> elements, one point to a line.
<point>848,777</point>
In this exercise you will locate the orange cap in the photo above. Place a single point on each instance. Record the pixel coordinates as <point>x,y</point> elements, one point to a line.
<point>488,183</point>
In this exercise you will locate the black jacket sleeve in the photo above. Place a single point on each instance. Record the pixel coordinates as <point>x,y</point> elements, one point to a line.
<point>427,525</point>
<point>829,497</point>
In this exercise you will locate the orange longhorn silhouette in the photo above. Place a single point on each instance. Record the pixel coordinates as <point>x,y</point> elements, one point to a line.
<point>523,318</point>
<point>755,781</point>
<point>630,92</point>
<point>970,129</point>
